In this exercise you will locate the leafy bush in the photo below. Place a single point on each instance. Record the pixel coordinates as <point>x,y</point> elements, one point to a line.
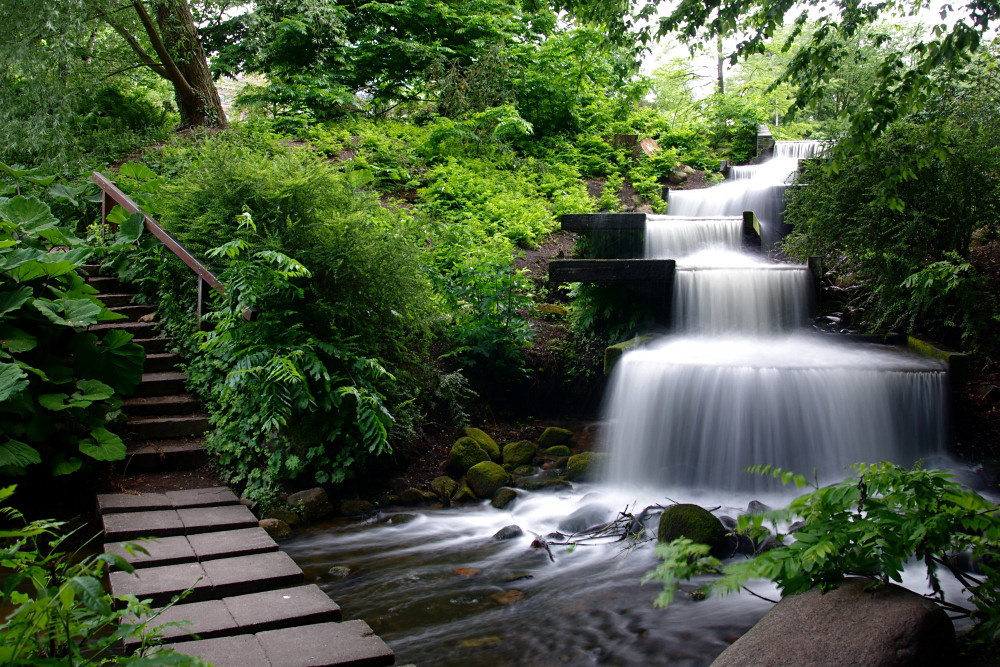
<point>56,611</point>
<point>59,384</point>
<point>871,526</point>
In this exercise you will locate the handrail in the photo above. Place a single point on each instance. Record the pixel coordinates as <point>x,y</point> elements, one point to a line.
<point>112,196</point>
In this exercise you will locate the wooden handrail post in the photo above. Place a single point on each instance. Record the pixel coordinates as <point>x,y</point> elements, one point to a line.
<point>107,203</point>
<point>201,301</point>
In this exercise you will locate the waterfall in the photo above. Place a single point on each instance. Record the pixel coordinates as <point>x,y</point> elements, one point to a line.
<point>696,412</point>
<point>669,237</point>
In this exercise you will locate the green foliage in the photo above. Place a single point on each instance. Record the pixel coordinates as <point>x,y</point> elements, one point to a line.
<point>55,609</point>
<point>286,405</point>
<point>736,119</point>
<point>609,200</point>
<point>871,525</point>
<point>59,384</point>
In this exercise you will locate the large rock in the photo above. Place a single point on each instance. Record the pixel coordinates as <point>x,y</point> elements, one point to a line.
<point>887,627</point>
<point>464,454</point>
<point>485,442</point>
<point>503,497</point>
<point>588,516</point>
<point>276,528</point>
<point>445,488</point>
<point>582,467</point>
<point>356,508</point>
<point>485,478</point>
<point>312,504</point>
<point>519,453</point>
<point>553,436</point>
<point>695,523</point>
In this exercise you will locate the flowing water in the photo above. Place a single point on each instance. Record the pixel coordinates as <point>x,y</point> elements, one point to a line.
<point>739,382</point>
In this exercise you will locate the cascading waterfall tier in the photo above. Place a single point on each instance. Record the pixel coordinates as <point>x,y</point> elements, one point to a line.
<point>670,236</point>
<point>696,412</point>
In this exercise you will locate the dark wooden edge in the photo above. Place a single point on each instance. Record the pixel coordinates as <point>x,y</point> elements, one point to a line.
<point>610,270</point>
<point>587,222</point>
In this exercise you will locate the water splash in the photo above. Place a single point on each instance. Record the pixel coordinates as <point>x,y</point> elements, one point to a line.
<point>670,237</point>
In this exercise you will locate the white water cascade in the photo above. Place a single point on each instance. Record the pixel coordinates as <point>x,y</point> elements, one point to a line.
<point>742,382</point>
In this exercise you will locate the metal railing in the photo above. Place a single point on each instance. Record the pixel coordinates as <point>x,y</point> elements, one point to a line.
<point>112,196</point>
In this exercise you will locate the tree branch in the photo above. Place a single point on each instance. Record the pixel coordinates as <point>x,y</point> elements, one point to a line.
<point>174,75</point>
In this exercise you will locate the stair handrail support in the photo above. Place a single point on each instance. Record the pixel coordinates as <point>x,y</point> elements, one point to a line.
<point>205,276</point>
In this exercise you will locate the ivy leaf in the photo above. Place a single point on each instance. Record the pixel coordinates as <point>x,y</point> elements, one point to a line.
<point>16,340</point>
<point>19,455</point>
<point>11,301</point>
<point>12,380</point>
<point>103,446</point>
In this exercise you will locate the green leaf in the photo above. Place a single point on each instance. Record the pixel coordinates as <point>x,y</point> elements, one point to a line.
<point>60,465</point>
<point>67,192</point>
<point>27,212</point>
<point>44,181</point>
<point>54,402</point>
<point>11,301</point>
<point>131,229</point>
<point>18,454</point>
<point>117,215</point>
<point>93,390</point>
<point>134,170</point>
<point>92,594</point>
<point>16,340</point>
<point>12,380</point>
<point>103,446</point>
<point>115,361</point>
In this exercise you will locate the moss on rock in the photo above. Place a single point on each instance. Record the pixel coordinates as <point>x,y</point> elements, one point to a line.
<point>485,442</point>
<point>583,466</point>
<point>519,453</point>
<point>464,494</point>
<point>486,477</point>
<point>558,450</point>
<point>503,497</point>
<point>542,484</point>
<point>464,454</point>
<point>695,523</point>
<point>553,436</point>
<point>444,487</point>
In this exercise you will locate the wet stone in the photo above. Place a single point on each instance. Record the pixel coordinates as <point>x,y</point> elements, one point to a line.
<point>326,644</point>
<point>282,608</point>
<point>212,519</point>
<point>160,551</point>
<point>111,503</point>
<point>204,619</point>
<point>252,574</point>
<point>238,651</point>
<point>162,583</point>
<point>210,497</point>
<point>232,543</point>
<point>160,523</point>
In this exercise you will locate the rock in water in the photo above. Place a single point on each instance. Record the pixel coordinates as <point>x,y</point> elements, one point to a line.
<point>697,524</point>
<point>508,533</point>
<point>485,478</point>
<point>312,504</point>
<point>887,627</point>
<point>485,442</point>
<point>519,453</point>
<point>464,454</point>
<point>583,466</point>
<point>276,528</point>
<point>503,497</point>
<point>553,436</point>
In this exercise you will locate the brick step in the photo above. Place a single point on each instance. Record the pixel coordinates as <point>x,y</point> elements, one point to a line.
<point>137,329</point>
<point>154,455</point>
<point>133,311</point>
<point>172,404</point>
<point>162,362</point>
<point>161,384</point>
<point>116,300</point>
<point>154,345</point>
<point>244,614</point>
<point>106,284</point>
<point>163,427</point>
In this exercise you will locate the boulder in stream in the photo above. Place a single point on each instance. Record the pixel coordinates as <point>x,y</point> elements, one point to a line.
<point>486,477</point>
<point>503,497</point>
<point>519,453</point>
<point>553,436</point>
<point>464,454</point>
<point>698,525</point>
<point>888,626</point>
<point>508,533</point>
<point>588,516</point>
<point>276,528</point>
<point>312,504</point>
<point>485,442</point>
<point>445,488</point>
<point>583,466</point>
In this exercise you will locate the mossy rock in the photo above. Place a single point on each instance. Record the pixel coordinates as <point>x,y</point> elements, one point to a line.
<point>444,487</point>
<point>583,466</point>
<point>558,450</point>
<point>561,463</point>
<point>552,310</point>
<point>464,454</point>
<point>485,442</point>
<point>695,523</point>
<point>524,471</point>
<point>503,497</point>
<point>542,484</point>
<point>485,478</point>
<point>413,496</point>
<point>288,516</point>
<point>519,453</point>
<point>464,494</point>
<point>553,436</point>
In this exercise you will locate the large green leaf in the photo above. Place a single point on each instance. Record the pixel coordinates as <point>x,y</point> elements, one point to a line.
<point>74,312</point>
<point>115,361</point>
<point>55,402</point>
<point>12,380</point>
<point>139,172</point>
<point>17,454</point>
<point>29,213</point>
<point>103,445</point>
<point>61,465</point>
<point>93,390</point>
<point>11,301</point>
<point>131,229</point>
<point>67,192</point>
<point>90,591</point>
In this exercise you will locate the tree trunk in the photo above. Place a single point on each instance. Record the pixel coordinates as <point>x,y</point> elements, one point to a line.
<point>720,63</point>
<point>197,98</point>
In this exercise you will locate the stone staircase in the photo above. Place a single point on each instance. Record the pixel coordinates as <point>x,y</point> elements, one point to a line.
<point>165,424</point>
